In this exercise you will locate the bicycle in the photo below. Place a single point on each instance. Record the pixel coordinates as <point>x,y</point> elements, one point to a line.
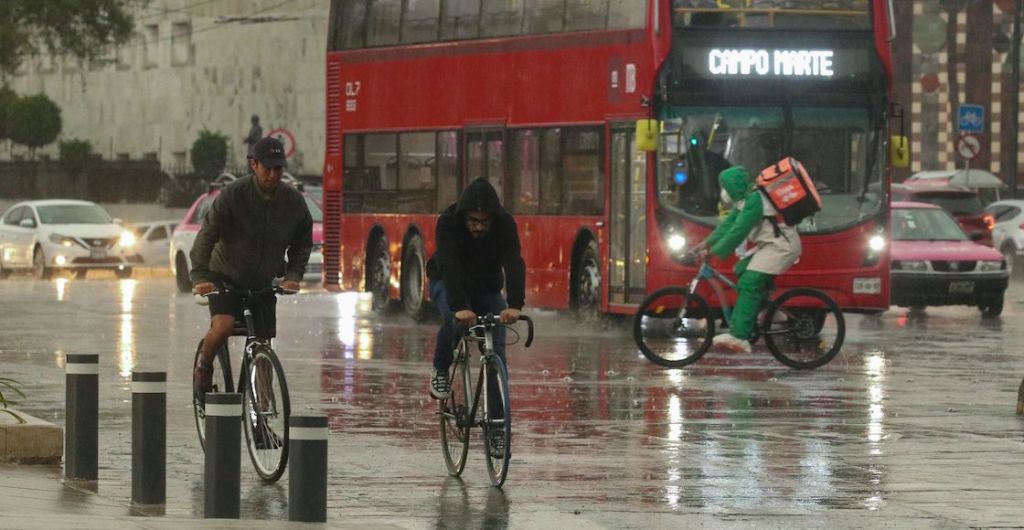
<point>457,417</point>
<point>802,327</point>
<point>265,403</point>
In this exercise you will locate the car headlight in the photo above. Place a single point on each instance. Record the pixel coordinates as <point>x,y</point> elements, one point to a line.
<point>127,239</point>
<point>908,265</point>
<point>62,240</point>
<point>990,266</point>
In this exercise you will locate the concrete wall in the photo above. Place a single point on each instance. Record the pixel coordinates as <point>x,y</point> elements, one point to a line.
<point>190,68</point>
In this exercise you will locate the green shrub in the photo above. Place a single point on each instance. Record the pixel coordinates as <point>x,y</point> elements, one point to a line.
<point>74,155</point>
<point>209,154</point>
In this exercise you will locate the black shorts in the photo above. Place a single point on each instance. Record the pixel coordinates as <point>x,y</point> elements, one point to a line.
<point>264,311</point>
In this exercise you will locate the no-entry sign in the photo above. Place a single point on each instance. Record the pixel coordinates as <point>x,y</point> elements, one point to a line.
<point>968,146</point>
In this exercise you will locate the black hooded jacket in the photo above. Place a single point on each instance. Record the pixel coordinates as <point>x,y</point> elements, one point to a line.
<point>469,266</point>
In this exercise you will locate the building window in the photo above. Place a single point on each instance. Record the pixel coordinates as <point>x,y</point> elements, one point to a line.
<point>181,44</point>
<point>152,46</point>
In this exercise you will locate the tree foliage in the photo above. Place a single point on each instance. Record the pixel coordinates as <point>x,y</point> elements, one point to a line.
<point>8,98</point>
<point>209,154</point>
<point>76,28</point>
<point>35,122</point>
<point>74,155</point>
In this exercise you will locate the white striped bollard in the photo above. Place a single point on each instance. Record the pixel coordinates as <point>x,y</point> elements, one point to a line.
<point>222,469</point>
<point>81,434</point>
<point>149,437</point>
<point>307,469</point>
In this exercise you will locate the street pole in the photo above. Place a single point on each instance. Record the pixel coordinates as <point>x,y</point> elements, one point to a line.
<point>1015,97</point>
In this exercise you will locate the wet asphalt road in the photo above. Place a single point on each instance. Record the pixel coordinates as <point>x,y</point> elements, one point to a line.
<point>911,425</point>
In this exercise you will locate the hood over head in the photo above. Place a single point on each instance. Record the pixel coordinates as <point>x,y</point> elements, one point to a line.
<point>479,196</point>
<point>736,182</point>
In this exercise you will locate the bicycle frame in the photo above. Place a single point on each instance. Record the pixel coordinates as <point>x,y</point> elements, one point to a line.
<point>487,355</point>
<point>707,272</point>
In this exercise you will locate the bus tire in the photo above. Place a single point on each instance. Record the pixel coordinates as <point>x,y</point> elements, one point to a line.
<point>414,299</point>
<point>378,274</point>
<point>586,284</point>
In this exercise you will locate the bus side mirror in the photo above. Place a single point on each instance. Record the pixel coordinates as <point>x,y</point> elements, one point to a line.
<point>899,151</point>
<point>647,132</point>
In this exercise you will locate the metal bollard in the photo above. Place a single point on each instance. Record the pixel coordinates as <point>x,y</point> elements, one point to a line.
<point>81,432</point>
<point>149,437</point>
<point>307,468</point>
<point>222,469</point>
<point>1020,398</point>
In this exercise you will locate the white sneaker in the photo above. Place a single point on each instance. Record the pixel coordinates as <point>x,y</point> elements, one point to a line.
<point>727,342</point>
<point>440,388</point>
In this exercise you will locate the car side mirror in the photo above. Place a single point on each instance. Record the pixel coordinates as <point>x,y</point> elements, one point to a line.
<point>976,235</point>
<point>27,223</point>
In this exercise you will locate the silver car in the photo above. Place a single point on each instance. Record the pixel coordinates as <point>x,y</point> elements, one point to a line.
<point>1008,234</point>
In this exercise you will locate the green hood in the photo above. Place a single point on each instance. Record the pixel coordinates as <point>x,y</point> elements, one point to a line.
<point>736,182</point>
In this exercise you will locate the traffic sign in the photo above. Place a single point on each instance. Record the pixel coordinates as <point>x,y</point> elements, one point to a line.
<point>287,139</point>
<point>971,119</point>
<point>968,146</point>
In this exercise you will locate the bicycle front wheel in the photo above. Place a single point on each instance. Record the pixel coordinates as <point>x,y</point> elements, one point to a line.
<point>265,412</point>
<point>497,421</point>
<point>804,328</point>
<point>221,383</point>
<point>673,327</point>
<point>454,412</point>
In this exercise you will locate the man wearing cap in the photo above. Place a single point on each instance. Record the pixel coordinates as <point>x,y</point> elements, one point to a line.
<point>249,229</point>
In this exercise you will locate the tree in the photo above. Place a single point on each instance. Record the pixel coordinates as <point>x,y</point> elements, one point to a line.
<point>74,155</point>
<point>8,98</point>
<point>209,154</point>
<point>35,122</point>
<point>81,29</point>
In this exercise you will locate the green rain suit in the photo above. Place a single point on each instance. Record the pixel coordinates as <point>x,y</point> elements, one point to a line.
<point>775,246</point>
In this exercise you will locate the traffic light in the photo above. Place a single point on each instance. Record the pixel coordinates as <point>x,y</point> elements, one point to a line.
<point>680,171</point>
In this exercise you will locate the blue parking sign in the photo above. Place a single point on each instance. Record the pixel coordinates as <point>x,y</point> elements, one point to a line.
<point>971,119</point>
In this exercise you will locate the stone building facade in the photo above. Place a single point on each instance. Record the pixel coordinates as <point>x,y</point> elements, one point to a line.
<point>195,65</point>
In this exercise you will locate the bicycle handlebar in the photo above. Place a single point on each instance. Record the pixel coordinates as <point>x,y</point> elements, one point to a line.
<point>202,299</point>
<point>491,320</point>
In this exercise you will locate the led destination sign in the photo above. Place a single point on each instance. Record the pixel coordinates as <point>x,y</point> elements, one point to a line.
<point>761,62</point>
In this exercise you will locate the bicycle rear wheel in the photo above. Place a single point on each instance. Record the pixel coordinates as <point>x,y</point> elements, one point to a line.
<point>673,327</point>
<point>265,412</point>
<point>804,328</point>
<point>497,421</point>
<point>221,383</point>
<point>454,412</point>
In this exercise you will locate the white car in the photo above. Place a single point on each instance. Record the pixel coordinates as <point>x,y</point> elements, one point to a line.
<point>153,242</point>
<point>1008,234</point>
<point>64,235</point>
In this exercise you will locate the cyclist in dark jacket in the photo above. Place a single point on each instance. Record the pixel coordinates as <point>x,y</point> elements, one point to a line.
<point>245,235</point>
<point>477,253</point>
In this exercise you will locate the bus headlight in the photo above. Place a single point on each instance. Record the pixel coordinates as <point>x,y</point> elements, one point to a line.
<point>127,239</point>
<point>876,245</point>
<point>676,243</point>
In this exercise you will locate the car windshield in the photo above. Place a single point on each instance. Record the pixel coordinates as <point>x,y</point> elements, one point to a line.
<point>841,150</point>
<point>314,210</point>
<point>924,224</point>
<point>59,214</point>
<point>957,204</point>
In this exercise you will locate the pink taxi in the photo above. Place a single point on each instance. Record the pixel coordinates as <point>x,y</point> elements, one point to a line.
<point>934,263</point>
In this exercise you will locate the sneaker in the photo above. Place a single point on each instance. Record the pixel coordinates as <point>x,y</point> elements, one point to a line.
<point>202,380</point>
<point>727,342</point>
<point>440,388</point>
<point>497,443</point>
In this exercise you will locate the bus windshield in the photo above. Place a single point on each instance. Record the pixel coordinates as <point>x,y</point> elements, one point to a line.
<point>788,14</point>
<point>839,148</point>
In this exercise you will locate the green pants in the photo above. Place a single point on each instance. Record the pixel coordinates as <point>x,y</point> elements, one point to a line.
<point>752,290</point>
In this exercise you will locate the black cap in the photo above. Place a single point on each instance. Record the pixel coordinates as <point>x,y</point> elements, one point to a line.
<point>269,151</point>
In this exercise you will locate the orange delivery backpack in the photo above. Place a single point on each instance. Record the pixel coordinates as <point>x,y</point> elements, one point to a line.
<point>790,190</point>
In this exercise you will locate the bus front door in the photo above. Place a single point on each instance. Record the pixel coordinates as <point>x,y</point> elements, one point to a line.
<point>628,244</point>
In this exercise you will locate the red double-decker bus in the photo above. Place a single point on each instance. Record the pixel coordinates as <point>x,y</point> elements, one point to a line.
<point>603,126</point>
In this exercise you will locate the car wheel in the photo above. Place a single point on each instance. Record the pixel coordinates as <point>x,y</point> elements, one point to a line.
<point>124,273</point>
<point>39,267</point>
<point>413,279</point>
<point>4,273</point>
<point>80,273</point>
<point>992,308</point>
<point>181,274</point>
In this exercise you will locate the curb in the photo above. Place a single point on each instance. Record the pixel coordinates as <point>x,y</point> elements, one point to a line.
<point>34,442</point>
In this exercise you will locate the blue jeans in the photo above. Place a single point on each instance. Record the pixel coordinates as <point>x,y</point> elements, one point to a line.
<point>481,304</point>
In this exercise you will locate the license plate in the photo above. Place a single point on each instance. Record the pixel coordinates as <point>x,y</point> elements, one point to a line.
<point>97,253</point>
<point>961,287</point>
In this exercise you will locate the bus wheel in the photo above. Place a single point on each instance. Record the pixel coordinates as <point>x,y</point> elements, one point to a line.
<point>586,287</point>
<point>413,279</point>
<point>378,280</point>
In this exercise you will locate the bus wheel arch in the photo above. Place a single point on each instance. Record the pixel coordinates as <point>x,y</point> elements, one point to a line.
<point>585,277</point>
<point>414,275</point>
<point>377,279</point>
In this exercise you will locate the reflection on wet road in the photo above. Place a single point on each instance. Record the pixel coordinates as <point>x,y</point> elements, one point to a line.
<point>912,424</point>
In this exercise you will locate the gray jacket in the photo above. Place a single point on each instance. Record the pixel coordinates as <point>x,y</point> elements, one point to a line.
<point>244,237</point>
